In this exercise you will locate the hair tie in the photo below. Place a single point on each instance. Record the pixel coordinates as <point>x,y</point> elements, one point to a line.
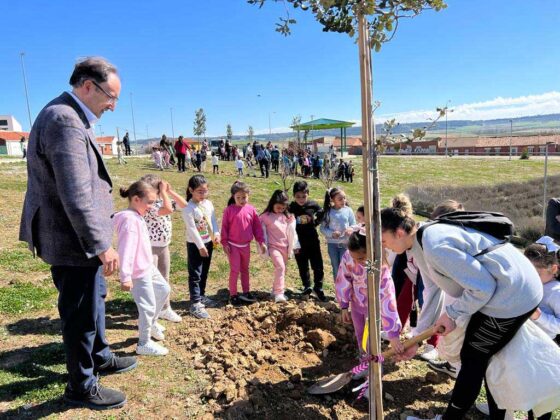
<point>549,243</point>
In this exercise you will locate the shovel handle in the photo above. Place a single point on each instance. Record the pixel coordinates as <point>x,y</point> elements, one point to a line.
<point>424,335</point>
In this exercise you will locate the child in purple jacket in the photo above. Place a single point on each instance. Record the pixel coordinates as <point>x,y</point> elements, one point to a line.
<point>351,292</point>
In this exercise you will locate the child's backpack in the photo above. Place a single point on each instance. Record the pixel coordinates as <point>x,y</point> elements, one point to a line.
<point>494,224</point>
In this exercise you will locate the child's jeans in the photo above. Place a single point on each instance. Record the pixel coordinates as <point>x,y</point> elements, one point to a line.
<point>150,294</point>
<point>239,258</point>
<point>279,257</point>
<point>336,251</point>
<point>198,270</point>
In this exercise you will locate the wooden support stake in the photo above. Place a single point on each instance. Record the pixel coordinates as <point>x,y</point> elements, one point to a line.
<point>372,215</point>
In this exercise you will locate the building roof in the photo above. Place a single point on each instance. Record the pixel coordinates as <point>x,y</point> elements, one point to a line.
<point>322,124</point>
<point>13,135</point>
<point>105,139</point>
<point>517,141</point>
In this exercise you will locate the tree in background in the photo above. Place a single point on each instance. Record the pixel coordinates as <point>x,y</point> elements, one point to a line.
<point>250,133</point>
<point>229,133</point>
<point>199,128</point>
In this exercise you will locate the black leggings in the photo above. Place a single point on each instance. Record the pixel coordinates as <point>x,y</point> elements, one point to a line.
<point>485,336</point>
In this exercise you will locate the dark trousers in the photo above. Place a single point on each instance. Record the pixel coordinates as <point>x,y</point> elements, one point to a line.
<point>263,163</point>
<point>81,305</point>
<point>275,165</point>
<point>215,169</point>
<point>485,336</point>
<point>181,162</point>
<point>310,254</point>
<point>127,151</point>
<point>198,270</point>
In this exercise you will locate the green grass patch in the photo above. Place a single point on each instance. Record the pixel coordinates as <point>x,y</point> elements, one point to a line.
<point>20,260</point>
<point>23,297</point>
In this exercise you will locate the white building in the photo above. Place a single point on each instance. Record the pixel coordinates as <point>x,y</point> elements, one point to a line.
<point>107,145</point>
<point>9,123</point>
<point>10,142</point>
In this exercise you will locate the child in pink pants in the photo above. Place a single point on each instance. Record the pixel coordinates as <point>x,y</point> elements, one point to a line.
<point>240,224</point>
<point>351,293</point>
<point>281,239</point>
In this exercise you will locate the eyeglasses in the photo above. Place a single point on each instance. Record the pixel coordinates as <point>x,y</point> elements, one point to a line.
<point>112,99</point>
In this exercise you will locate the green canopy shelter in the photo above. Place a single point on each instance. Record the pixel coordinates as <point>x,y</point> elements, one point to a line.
<point>326,124</point>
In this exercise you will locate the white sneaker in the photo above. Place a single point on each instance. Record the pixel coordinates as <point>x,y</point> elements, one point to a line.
<point>170,315</point>
<point>280,298</point>
<point>159,326</point>
<point>156,333</point>
<point>429,353</point>
<point>151,348</point>
<point>484,409</point>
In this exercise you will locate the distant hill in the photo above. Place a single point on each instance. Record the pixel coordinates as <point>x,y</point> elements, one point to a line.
<point>536,124</point>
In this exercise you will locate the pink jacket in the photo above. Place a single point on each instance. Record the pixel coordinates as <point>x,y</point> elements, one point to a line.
<point>351,291</point>
<point>135,251</point>
<point>240,224</point>
<point>280,232</point>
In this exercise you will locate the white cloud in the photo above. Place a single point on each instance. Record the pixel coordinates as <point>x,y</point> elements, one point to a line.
<point>522,106</point>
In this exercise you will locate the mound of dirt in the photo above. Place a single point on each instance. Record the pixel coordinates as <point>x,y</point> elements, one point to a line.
<point>259,359</point>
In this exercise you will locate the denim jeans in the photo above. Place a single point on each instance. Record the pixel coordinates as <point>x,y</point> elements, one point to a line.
<point>81,305</point>
<point>335,253</point>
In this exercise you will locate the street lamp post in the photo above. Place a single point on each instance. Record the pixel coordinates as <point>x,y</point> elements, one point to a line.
<point>26,92</point>
<point>133,123</point>
<point>312,116</point>
<point>172,127</point>
<point>510,136</point>
<point>446,111</point>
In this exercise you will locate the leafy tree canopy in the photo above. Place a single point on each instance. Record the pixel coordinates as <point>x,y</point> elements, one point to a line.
<point>342,15</point>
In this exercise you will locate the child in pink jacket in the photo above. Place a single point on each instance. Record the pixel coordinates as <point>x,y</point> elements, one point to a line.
<point>281,239</point>
<point>240,224</point>
<point>138,274</point>
<point>351,292</point>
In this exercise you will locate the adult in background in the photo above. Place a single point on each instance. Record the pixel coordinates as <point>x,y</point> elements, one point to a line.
<point>126,144</point>
<point>553,219</point>
<point>486,281</point>
<point>181,151</point>
<point>66,221</point>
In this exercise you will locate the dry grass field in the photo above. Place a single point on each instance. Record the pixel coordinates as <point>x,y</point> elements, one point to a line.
<point>260,355</point>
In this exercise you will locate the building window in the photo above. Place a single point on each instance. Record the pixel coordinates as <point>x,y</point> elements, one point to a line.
<point>3,123</point>
<point>542,150</point>
<point>530,150</point>
<point>487,150</point>
<point>514,150</point>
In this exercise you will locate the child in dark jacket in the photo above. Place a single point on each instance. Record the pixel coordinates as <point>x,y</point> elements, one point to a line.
<point>308,215</point>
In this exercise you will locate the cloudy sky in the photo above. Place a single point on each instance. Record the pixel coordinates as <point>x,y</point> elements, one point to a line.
<point>486,59</point>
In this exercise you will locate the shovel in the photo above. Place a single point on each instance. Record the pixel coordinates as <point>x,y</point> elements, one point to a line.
<point>336,382</point>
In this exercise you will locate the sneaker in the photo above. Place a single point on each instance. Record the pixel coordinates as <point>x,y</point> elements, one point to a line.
<point>208,303</point>
<point>159,326</point>
<point>443,366</point>
<point>280,298</point>
<point>156,333</point>
<point>151,348</point>
<point>248,297</point>
<point>320,295</point>
<point>307,291</point>
<point>484,409</point>
<point>97,398</point>
<point>170,315</point>
<point>362,375</point>
<point>199,311</point>
<point>235,301</point>
<point>429,353</point>
<point>116,364</point>
<point>438,417</point>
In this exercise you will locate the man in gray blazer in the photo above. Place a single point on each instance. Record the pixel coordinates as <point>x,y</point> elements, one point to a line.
<point>67,222</point>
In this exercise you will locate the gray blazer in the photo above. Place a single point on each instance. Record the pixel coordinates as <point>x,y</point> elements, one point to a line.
<point>68,206</point>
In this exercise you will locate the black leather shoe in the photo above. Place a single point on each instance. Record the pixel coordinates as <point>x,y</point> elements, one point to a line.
<point>117,364</point>
<point>319,294</point>
<point>97,398</point>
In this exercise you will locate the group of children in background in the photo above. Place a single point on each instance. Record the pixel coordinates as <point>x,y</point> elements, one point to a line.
<point>283,230</point>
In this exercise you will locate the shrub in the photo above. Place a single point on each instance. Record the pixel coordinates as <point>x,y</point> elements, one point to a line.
<point>524,155</point>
